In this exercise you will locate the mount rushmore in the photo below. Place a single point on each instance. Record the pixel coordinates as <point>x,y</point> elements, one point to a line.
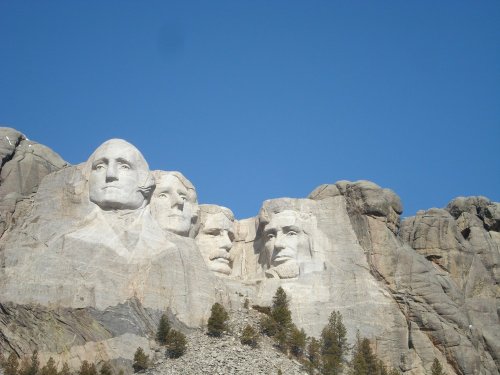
<point>91,255</point>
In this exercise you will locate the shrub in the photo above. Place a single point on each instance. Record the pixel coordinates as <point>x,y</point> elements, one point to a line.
<point>297,341</point>
<point>163,330</point>
<point>65,370</point>
<point>87,368</point>
<point>333,345</point>
<point>11,365</point>
<point>436,368</point>
<point>141,360</point>
<point>313,356</point>
<point>176,344</point>
<point>217,321</point>
<point>249,336</point>
<point>268,326</point>
<point>49,368</point>
<point>106,369</point>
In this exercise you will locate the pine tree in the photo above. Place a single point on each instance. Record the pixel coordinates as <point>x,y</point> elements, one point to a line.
<point>268,326</point>
<point>333,345</point>
<point>436,368</point>
<point>31,367</point>
<point>176,344</point>
<point>313,356</point>
<point>280,311</point>
<point>11,365</point>
<point>49,368</point>
<point>65,370</point>
<point>163,330</point>
<point>106,369</point>
<point>249,336</point>
<point>217,321</point>
<point>84,368</point>
<point>297,341</point>
<point>141,360</point>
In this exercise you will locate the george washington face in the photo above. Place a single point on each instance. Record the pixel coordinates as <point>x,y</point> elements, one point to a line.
<point>118,170</point>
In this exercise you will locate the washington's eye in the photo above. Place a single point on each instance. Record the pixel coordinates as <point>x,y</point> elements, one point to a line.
<point>124,166</point>
<point>99,167</point>
<point>291,233</point>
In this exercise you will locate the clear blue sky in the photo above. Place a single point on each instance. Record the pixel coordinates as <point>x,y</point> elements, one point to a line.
<point>254,100</point>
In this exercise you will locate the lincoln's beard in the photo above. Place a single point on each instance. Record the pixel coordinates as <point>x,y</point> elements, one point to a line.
<point>287,270</point>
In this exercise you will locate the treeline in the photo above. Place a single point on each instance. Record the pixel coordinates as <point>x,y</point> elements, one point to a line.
<point>32,366</point>
<point>326,355</point>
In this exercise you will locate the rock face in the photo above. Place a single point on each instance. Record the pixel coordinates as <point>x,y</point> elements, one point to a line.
<point>91,255</point>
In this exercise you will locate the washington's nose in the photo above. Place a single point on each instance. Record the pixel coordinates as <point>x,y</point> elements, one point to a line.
<point>111,172</point>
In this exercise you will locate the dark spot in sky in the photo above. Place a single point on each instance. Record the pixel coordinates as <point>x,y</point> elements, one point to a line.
<point>171,40</point>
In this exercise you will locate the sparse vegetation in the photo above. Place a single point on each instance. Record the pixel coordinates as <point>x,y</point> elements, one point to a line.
<point>334,345</point>
<point>11,365</point>
<point>163,330</point>
<point>87,368</point>
<point>436,368</point>
<point>49,368</point>
<point>250,336</point>
<point>313,356</point>
<point>106,369</point>
<point>217,323</point>
<point>65,369</point>
<point>176,344</point>
<point>141,360</point>
<point>297,341</point>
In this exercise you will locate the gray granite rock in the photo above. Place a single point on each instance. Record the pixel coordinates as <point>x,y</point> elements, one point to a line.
<point>86,269</point>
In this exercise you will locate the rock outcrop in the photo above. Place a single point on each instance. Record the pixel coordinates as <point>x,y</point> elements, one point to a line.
<point>91,255</point>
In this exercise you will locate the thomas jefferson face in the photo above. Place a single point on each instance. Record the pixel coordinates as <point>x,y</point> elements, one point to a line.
<point>172,205</point>
<point>286,243</point>
<point>215,240</point>
<point>118,170</point>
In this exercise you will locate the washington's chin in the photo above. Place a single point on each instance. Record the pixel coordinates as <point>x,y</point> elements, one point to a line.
<point>220,265</point>
<point>113,201</point>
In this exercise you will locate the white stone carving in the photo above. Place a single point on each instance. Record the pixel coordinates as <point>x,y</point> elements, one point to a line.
<point>174,204</point>
<point>215,237</point>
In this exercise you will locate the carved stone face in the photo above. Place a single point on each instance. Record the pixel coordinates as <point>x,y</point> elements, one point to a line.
<point>286,243</point>
<point>117,171</point>
<point>215,240</point>
<point>172,205</point>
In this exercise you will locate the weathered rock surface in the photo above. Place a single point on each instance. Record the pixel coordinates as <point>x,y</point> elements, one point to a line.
<point>86,271</point>
<point>23,165</point>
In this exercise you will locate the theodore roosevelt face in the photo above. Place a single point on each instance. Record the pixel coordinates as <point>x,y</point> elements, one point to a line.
<point>215,240</point>
<point>117,172</point>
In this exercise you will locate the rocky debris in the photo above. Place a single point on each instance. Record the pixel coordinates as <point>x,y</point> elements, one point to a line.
<point>226,355</point>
